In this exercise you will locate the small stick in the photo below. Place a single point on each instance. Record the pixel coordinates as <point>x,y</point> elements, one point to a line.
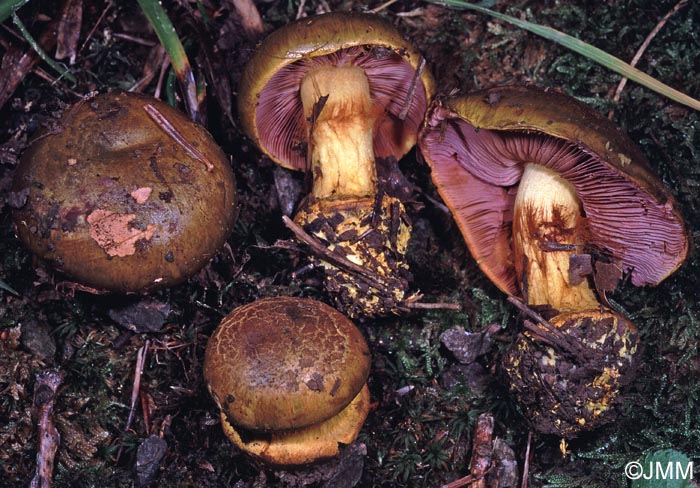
<point>559,338</point>
<point>343,263</point>
<point>526,464</point>
<point>140,361</point>
<point>94,27</point>
<point>482,448</point>
<point>175,134</point>
<point>134,39</point>
<point>300,10</point>
<point>45,388</point>
<point>323,252</point>
<point>138,370</point>
<point>378,9</point>
<point>432,306</point>
<point>642,48</point>
<point>412,90</point>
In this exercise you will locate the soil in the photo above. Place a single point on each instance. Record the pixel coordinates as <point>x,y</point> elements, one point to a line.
<point>161,427</point>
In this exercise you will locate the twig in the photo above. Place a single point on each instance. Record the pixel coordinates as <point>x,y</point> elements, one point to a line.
<point>163,70</point>
<point>378,9</point>
<point>138,370</point>
<point>412,90</point>
<point>167,127</point>
<point>530,312</point>
<point>642,48</point>
<point>482,449</point>
<point>300,10</point>
<point>94,27</point>
<point>432,306</point>
<point>134,39</point>
<point>47,384</point>
<point>328,255</point>
<point>140,361</point>
<point>526,463</point>
<point>557,338</point>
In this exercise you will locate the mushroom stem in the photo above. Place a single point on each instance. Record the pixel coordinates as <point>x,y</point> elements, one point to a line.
<point>342,119</point>
<point>548,228</point>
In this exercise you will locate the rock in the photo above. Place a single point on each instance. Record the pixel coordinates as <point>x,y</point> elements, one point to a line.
<point>466,346</point>
<point>142,315</point>
<point>37,339</point>
<point>148,457</point>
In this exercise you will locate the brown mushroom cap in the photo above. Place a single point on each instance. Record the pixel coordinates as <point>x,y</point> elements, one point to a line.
<point>285,363</point>
<point>127,194</point>
<point>308,444</point>
<point>269,102</point>
<point>477,146</point>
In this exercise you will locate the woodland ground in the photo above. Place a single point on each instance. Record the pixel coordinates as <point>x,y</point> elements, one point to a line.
<point>419,434</point>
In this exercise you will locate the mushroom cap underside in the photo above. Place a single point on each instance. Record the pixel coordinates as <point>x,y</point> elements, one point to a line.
<point>477,146</point>
<point>305,445</point>
<point>269,104</point>
<point>126,194</point>
<point>285,363</point>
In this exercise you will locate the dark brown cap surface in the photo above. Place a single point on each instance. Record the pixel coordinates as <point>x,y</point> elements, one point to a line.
<point>127,194</point>
<point>285,363</point>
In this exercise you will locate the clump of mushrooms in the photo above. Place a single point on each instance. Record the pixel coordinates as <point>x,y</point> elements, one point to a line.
<point>289,376</point>
<point>555,205</point>
<point>340,95</point>
<point>126,194</point>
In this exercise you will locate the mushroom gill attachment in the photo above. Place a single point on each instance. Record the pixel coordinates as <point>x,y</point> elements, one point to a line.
<point>335,95</point>
<point>479,146</point>
<point>126,194</point>
<point>555,204</point>
<point>290,378</point>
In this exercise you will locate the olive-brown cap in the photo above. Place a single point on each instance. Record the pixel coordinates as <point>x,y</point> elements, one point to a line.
<point>285,363</point>
<point>126,194</point>
<point>477,146</point>
<point>307,444</point>
<point>269,103</point>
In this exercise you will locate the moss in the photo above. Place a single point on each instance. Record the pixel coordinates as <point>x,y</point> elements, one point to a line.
<point>420,432</point>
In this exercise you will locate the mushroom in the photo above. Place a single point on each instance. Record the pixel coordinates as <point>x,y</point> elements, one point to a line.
<point>555,204</point>
<point>289,376</point>
<point>125,194</point>
<point>342,96</point>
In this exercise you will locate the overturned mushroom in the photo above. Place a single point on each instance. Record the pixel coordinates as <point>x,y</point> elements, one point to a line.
<point>337,95</point>
<point>125,195</point>
<point>289,376</point>
<point>555,204</point>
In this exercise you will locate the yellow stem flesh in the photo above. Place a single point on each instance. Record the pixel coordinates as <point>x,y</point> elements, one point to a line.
<point>341,134</point>
<point>547,225</point>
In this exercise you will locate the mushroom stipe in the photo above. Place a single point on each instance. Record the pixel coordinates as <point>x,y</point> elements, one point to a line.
<point>333,95</point>
<point>555,204</point>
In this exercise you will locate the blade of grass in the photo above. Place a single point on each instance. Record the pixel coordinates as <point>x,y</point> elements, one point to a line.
<point>165,31</point>
<point>8,7</point>
<point>42,54</point>
<point>8,288</point>
<point>587,50</point>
